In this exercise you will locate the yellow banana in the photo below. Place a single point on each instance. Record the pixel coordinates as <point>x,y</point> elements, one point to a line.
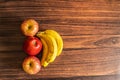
<point>45,53</point>
<point>58,39</point>
<point>52,46</point>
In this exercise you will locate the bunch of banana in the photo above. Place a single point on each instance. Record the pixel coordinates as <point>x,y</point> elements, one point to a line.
<point>52,46</point>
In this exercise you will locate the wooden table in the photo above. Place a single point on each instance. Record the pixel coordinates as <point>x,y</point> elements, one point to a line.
<point>90,30</point>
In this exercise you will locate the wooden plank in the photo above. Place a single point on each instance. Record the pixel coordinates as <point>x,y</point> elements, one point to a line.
<point>71,63</point>
<point>90,30</point>
<point>12,43</point>
<point>13,27</point>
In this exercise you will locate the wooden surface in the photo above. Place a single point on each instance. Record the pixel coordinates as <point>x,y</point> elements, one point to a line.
<point>90,30</point>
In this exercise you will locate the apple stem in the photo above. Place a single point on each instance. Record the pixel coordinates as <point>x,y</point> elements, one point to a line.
<point>35,43</point>
<point>29,27</point>
<point>30,64</point>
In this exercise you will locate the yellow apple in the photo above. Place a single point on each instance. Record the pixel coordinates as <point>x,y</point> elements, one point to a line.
<point>29,27</point>
<point>31,65</point>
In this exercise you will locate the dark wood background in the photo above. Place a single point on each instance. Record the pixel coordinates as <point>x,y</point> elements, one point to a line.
<point>90,30</point>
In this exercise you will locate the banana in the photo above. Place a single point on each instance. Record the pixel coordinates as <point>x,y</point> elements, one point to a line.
<point>58,39</point>
<point>52,46</point>
<point>45,53</point>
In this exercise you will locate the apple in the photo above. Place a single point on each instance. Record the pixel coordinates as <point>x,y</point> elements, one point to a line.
<point>32,46</point>
<point>31,65</point>
<point>29,27</point>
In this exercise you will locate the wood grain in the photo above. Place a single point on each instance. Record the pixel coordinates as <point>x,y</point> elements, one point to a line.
<point>90,30</point>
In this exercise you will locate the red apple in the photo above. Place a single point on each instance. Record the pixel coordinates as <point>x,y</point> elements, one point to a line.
<point>32,46</point>
<point>31,65</point>
<point>29,27</point>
